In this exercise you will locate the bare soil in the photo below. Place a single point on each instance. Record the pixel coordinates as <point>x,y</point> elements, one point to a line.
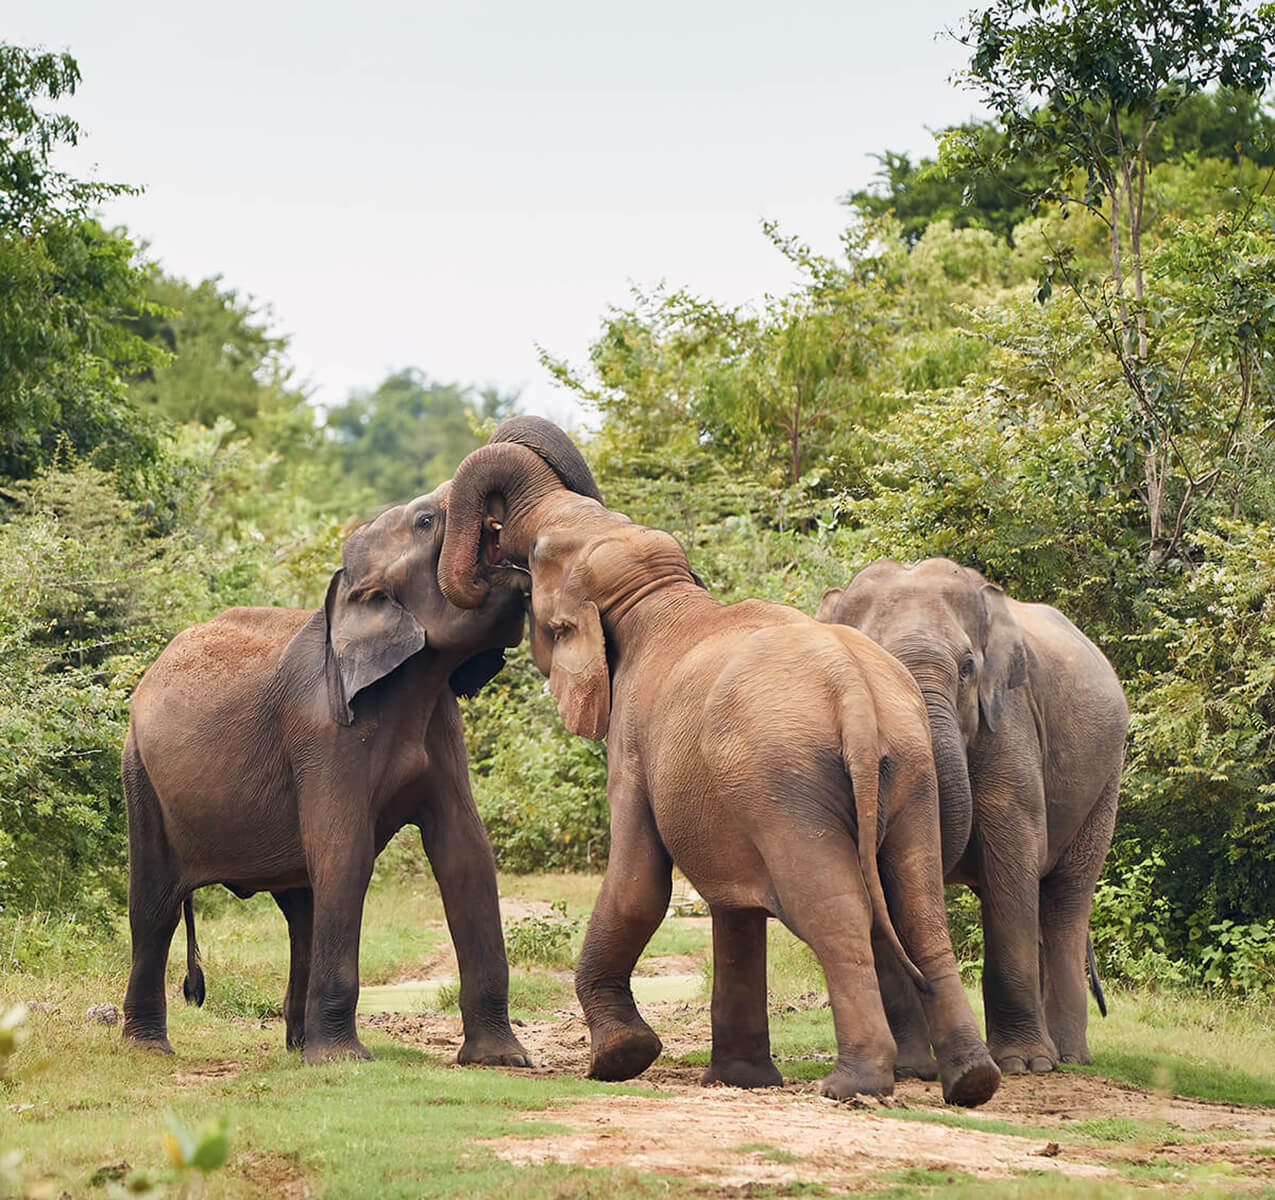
<point>726,1137</point>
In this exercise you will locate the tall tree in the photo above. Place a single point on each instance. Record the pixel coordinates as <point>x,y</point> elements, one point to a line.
<point>63,282</point>
<point>1079,88</point>
<point>407,436</point>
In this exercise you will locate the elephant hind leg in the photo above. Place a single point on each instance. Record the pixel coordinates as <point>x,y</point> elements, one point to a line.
<point>154,905</point>
<point>741,1028</point>
<point>297,905</point>
<point>1066,897</point>
<point>825,902</point>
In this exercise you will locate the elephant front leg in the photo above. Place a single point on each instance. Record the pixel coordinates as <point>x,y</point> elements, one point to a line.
<point>1017,1034</point>
<point>741,1030</point>
<point>460,854</point>
<point>632,903</point>
<point>297,905</point>
<point>340,873</point>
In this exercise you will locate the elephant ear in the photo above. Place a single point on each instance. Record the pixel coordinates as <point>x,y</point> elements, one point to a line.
<point>828,605</point>
<point>1004,657</point>
<point>579,676</point>
<point>369,634</point>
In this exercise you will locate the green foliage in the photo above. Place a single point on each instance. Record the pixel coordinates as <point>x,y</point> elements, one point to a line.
<point>541,790</point>
<point>221,359</point>
<point>1221,124</point>
<point>406,437</point>
<point>63,280</point>
<point>536,940</point>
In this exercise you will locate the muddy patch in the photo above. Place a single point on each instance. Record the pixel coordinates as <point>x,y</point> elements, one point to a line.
<point>742,1138</point>
<point>1078,1125</point>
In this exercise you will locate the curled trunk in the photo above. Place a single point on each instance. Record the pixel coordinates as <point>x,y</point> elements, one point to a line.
<point>555,447</point>
<point>521,479</point>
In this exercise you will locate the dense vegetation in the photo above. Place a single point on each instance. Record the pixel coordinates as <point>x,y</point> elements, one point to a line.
<point>1047,354</point>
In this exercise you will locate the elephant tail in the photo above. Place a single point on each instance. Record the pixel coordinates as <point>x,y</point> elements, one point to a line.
<point>1095,984</point>
<point>193,984</point>
<point>862,764</point>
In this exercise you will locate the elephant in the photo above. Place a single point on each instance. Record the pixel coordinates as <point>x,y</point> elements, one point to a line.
<point>278,749</point>
<point>719,762</point>
<point>1028,722</point>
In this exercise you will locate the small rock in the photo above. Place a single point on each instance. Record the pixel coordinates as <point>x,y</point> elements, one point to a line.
<point>104,1014</point>
<point>39,1006</point>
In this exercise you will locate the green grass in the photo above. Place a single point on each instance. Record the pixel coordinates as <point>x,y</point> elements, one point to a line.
<point>1192,1045</point>
<point>766,1152</point>
<point>409,1124</point>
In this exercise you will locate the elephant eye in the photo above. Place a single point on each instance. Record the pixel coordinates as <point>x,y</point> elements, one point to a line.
<point>967,667</point>
<point>424,520</point>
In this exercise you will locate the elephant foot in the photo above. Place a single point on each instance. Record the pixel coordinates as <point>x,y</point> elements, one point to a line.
<point>971,1083</point>
<point>490,1051</point>
<point>1017,1064</point>
<point>916,1068</point>
<point>295,1041</point>
<point>335,1051</point>
<point>624,1051</point>
<point>845,1082</point>
<point>1081,1058</point>
<point>742,1073</point>
<point>149,1043</point>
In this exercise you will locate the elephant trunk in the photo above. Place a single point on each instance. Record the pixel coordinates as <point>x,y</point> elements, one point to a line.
<point>956,802</point>
<point>522,479</point>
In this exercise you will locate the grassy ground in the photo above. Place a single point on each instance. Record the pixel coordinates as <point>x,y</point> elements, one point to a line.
<point>85,1112</point>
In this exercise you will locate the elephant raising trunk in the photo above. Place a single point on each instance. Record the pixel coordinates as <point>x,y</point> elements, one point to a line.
<point>733,736</point>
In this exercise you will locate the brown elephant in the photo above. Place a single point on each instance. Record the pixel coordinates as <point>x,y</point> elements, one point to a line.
<point>276,749</point>
<point>718,761</point>
<point>1028,722</point>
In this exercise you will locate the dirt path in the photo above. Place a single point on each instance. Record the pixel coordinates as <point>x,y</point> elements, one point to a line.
<point>1076,1125</point>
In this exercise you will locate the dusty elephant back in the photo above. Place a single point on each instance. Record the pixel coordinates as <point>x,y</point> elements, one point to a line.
<point>215,684</point>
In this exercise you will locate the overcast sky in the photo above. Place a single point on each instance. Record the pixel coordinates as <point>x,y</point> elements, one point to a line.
<point>445,185</point>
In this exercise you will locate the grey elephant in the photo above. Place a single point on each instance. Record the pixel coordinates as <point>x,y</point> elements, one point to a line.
<point>1028,724</point>
<point>824,813</point>
<point>276,749</point>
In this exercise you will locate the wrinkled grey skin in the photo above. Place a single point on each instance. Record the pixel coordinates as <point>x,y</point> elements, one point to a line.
<point>276,749</point>
<point>1028,723</point>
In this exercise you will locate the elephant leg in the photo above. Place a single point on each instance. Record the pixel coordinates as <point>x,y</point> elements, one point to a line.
<point>154,906</point>
<point>465,868</point>
<point>1066,897</point>
<point>632,903</point>
<point>904,1012</point>
<point>912,877</point>
<point>297,905</point>
<point>340,868</point>
<point>825,902</point>
<point>1017,1034</point>
<point>741,1030</point>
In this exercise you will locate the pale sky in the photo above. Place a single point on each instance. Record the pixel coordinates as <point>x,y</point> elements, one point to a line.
<point>445,185</point>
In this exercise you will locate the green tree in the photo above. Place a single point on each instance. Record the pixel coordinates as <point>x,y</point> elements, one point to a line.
<point>1225,123</point>
<point>406,436</point>
<point>64,281</point>
<point>223,360</point>
<point>1078,90</point>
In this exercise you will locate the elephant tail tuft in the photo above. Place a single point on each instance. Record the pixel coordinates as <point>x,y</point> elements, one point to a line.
<point>862,765</point>
<point>193,985</point>
<point>1095,984</point>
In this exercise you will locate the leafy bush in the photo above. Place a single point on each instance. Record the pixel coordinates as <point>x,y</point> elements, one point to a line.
<point>536,940</point>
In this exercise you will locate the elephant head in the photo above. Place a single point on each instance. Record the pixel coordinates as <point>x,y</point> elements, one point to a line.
<point>510,507</point>
<point>384,605</point>
<point>954,632</point>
